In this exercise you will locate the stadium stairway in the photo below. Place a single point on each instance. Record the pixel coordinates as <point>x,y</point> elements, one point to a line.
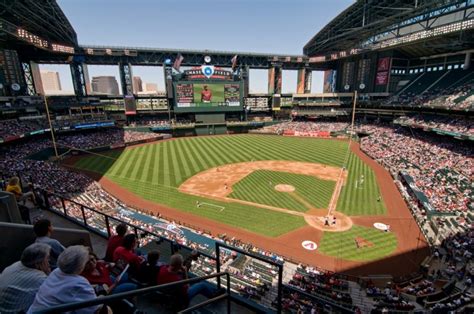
<point>360,298</point>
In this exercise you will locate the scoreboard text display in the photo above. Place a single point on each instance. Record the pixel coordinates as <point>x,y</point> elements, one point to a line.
<point>207,96</point>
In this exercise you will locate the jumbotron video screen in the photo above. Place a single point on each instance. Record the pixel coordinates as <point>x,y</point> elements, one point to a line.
<point>195,95</point>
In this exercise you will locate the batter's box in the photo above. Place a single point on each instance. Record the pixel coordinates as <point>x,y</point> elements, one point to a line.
<point>209,205</point>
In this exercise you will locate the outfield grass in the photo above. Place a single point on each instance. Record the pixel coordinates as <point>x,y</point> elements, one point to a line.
<point>155,171</point>
<point>360,199</point>
<point>258,187</point>
<point>342,244</point>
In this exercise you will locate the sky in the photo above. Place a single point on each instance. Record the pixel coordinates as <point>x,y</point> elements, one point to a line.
<point>266,26</point>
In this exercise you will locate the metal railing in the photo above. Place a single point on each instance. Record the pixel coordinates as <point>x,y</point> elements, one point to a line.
<point>124,295</point>
<point>107,220</point>
<point>175,247</point>
<point>260,258</point>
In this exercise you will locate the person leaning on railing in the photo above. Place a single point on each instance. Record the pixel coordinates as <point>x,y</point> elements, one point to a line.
<point>180,296</point>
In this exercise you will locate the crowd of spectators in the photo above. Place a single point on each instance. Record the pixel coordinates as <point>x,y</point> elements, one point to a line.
<point>15,127</point>
<point>108,137</point>
<point>455,98</point>
<point>447,163</point>
<point>149,121</point>
<point>37,282</point>
<point>18,127</point>
<point>80,189</point>
<point>321,283</point>
<point>456,125</point>
<point>456,252</point>
<point>305,126</point>
<point>442,170</point>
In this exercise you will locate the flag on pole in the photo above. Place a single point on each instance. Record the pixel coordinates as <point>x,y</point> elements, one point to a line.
<point>234,63</point>
<point>177,62</point>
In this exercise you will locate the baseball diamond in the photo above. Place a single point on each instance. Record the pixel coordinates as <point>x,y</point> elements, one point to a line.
<point>180,172</point>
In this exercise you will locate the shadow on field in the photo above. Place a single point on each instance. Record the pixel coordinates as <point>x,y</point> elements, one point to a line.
<point>396,265</point>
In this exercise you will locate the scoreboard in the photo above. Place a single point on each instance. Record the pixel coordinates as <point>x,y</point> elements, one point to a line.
<point>207,96</point>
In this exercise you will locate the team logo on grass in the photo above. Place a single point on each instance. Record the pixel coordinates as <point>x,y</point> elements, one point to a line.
<point>309,245</point>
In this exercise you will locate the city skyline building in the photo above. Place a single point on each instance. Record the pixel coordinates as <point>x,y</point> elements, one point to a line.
<point>137,84</point>
<point>107,85</point>
<point>51,81</point>
<point>151,87</point>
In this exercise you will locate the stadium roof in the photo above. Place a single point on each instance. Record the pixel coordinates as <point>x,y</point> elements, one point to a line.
<point>366,18</point>
<point>41,17</point>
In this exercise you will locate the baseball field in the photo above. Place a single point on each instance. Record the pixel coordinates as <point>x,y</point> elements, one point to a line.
<point>261,187</point>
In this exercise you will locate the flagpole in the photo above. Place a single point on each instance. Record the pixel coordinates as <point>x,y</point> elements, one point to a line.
<point>50,126</point>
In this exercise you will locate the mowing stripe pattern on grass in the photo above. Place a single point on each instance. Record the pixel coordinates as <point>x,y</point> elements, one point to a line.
<point>360,195</point>
<point>343,244</point>
<point>155,172</point>
<point>259,187</point>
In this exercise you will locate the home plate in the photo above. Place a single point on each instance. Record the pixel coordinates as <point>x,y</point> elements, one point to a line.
<point>380,226</point>
<point>309,245</point>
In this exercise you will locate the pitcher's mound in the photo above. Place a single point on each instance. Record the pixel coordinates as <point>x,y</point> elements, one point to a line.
<point>284,188</point>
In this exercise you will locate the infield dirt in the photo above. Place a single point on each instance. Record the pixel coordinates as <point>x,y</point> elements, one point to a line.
<point>411,247</point>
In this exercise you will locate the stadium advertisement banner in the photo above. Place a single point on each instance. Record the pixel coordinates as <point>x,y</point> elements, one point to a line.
<point>306,134</point>
<point>94,125</point>
<point>114,146</point>
<point>383,68</point>
<point>383,64</point>
<point>329,81</point>
<point>130,105</point>
<point>161,128</point>
<point>37,132</point>
<point>301,81</point>
<point>381,78</point>
<point>208,96</point>
<point>443,132</point>
<point>206,72</point>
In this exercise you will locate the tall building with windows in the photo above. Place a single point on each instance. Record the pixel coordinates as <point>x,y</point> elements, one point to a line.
<point>105,85</point>
<point>137,84</point>
<point>51,81</point>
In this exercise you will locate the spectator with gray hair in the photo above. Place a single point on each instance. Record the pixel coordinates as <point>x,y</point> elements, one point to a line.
<point>20,281</point>
<point>64,285</point>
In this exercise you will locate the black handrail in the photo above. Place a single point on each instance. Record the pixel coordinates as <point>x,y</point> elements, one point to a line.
<point>136,229</point>
<point>123,295</point>
<point>255,256</point>
<point>172,243</point>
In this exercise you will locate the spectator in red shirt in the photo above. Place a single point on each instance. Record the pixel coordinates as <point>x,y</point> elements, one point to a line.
<point>126,253</point>
<point>176,271</point>
<point>97,273</point>
<point>115,241</point>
